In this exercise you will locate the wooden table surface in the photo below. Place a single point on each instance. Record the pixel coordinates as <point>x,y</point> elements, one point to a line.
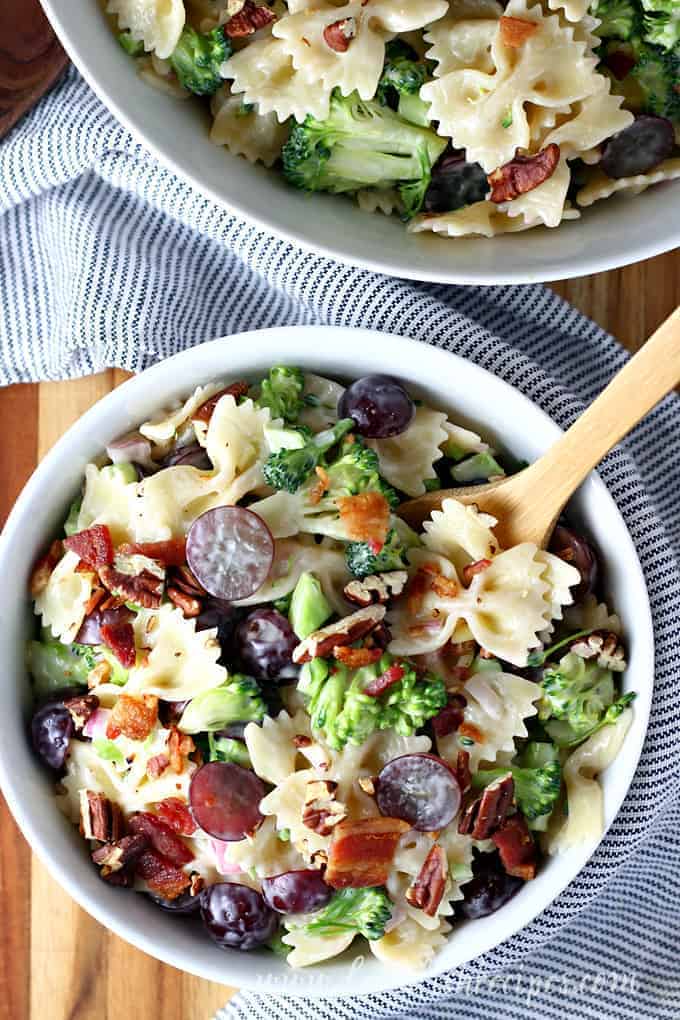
<point>56,962</point>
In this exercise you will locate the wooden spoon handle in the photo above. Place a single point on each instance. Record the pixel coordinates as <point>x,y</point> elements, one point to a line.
<point>31,59</point>
<point>652,373</point>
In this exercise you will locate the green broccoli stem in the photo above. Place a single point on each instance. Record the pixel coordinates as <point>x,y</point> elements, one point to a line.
<point>365,911</point>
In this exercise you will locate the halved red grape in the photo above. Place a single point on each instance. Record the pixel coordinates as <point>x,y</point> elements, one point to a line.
<point>230,552</point>
<point>181,906</point>
<point>191,455</point>
<point>379,406</point>
<point>639,147</point>
<point>263,645</point>
<point>578,551</point>
<point>420,789</point>
<point>237,917</point>
<point>296,892</point>
<point>225,799</point>
<point>90,632</point>
<point>489,890</point>
<point>51,729</point>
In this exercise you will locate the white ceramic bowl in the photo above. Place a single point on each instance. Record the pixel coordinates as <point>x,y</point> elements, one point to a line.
<point>613,233</point>
<point>470,394</point>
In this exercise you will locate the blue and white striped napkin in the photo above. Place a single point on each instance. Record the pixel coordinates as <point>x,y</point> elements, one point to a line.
<point>108,259</point>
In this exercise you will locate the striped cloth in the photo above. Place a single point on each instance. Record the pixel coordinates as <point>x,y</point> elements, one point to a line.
<point>107,259</point>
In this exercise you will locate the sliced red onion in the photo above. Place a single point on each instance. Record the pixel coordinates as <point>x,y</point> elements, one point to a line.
<point>222,862</point>
<point>132,448</point>
<point>95,727</point>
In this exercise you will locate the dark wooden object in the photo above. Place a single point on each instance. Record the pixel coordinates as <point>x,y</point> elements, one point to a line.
<point>31,59</point>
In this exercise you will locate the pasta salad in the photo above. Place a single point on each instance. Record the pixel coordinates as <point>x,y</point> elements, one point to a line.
<point>463,117</point>
<point>267,701</point>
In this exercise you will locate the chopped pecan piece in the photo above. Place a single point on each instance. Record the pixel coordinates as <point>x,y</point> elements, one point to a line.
<point>172,552</point>
<point>120,853</point>
<point>450,717</point>
<point>182,578</point>
<point>235,390</point>
<point>516,847</point>
<point>462,770</point>
<point>344,632</point>
<point>156,766</point>
<point>603,645</point>
<point>133,717</point>
<point>81,708</point>
<point>100,818</point>
<point>249,19</point>
<point>100,674</point>
<point>322,812</point>
<point>470,569</point>
<point>522,174</point>
<point>189,604</point>
<point>144,589</point>
<point>376,587</point>
<point>180,746</point>
<point>339,35</point>
<point>365,516</point>
<point>355,658</point>
<point>487,813</point>
<point>428,888</point>
<point>43,568</point>
<point>515,31</point>
<point>361,852</point>
<point>392,675</point>
<point>197,883</point>
<point>93,546</point>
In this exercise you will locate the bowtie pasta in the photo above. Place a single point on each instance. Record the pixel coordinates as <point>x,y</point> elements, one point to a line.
<point>266,700</point>
<point>460,117</point>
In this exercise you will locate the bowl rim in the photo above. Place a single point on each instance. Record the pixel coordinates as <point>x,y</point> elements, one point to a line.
<point>388,977</point>
<point>584,265</point>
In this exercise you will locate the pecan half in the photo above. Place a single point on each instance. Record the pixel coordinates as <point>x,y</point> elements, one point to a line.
<point>322,812</point>
<point>344,632</point>
<point>339,35</point>
<point>516,847</point>
<point>100,818</point>
<point>119,853</point>
<point>189,605</point>
<point>376,587</point>
<point>487,813</point>
<point>515,31</point>
<point>605,647</point>
<point>81,708</point>
<point>197,883</point>
<point>522,174</point>
<point>428,888</point>
<point>144,589</point>
<point>44,567</point>
<point>249,19</point>
<point>182,578</point>
<point>361,852</point>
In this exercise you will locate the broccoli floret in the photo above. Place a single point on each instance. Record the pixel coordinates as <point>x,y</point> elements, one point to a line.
<point>365,911</point>
<point>71,522</point>
<point>222,748</point>
<point>536,789</point>
<point>540,656</point>
<point>362,145</point>
<point>357,469</point>
<point>365,558</point>
<point>661,23</point>
<point>238,699</point>
<point>403,71</point>
<point>132,47</point>
<point>577,699</point>
<point>196,59</point>
<point>290,469</point>
<point>657,73</point>
<point>309,608</point>
<point>282,393</point>
<point>55,666</point>
<point>619,18</point>
<point>339,708</point>
<point>478,468</point>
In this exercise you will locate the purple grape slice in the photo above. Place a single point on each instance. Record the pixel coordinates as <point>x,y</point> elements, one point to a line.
<point>578,551</point>
<point>379,406</point>
<point>237,917</point>
<point>224,799</point>
<point>263,646</point>
<point>230,552</point>
<point>638,148</point>
<point>51,729</point>
<point>420,789</point>
<point>296,892</point>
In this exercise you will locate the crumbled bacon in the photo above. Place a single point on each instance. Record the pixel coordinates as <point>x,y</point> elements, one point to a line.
<point>44,567</point>
<point>361,852</point>
<point>156,766</point>
<point>249,19</point>
<point>94,546</point>
<point>161,837</point>
<point>161,876</point>
<point>120,638</point>
<point>470,569</point>
<point>450,717</point>
<point>175,812</point>
<point>472,732</point>
<point>366,516</point>
<point>205,411</point>
<point>392,675</point>
<point>486,814</point>
<point>428,888</point>
<point>514,32</point>
<point>98,595</point>
<point>133,717</point>
<point>522,174</point>
<point>355,658</point>
<point>445,587</point>
<point>144,589</point>
<point>516,847</point>
<point>339,35</point>
<point>180,746</point>
<point>171,553</point>
<point>320,487</point>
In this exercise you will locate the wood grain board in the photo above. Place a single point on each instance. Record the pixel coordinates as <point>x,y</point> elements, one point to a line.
<point>56,963</point>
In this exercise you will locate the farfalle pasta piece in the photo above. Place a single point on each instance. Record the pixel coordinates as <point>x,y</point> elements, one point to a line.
<point>461,533</point>
<point>409,945</point>
<point>428,624</point>
<point>406,460</point>
<point>308,949</point>
<point>235,442</point>
<point>180,661</point>
<point>589,614</point>
<point>464,37</point>
<point>62,602</point>
<point>245,132</point>
<point>156,23</point>
<point>371,24</point>
<point>544,204</point>
<point>271,745</point>
<point>600,186</point>
<point>591,121</point>
<point>574,10</point>
<point>383,200</point>
<point>481,219</point>
<point>264,74</point>
<point>264,853</point>
<point>295,556</point>
<point>109,497</point>
<point>286,803</point>
<point>321,396</point>
<point>409,858</point>
<point>163,428</point>
<point>464,439</point>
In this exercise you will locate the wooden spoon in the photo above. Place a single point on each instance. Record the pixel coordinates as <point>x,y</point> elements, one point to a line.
<point>31,59</point>
<point>528,504</point>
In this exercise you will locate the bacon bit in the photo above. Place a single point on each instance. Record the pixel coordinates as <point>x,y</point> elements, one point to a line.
<point>516,31</point>
<point>94,546</point>
<point>144,589</point>
<point>321,487</point>
<point>428,888</point>
<point>161,837</point>
<point>171,553</point>
<point>133,717</point>
<point>161,876</point>
<point>392,675</point>
<point>249,19</point>
<point>339,35</point>
<point>375,546</point>
<point>120,638</point>
<point>156,766</point>
<point>180,746</point>
<point>462,770</point>
<point>361,852</point>
<point>43,569</point>
<point>450,717</point>
<point>366,516</point>
<point>487,813</point>
<point>468,729</point>
<point>189,605</point>
<point>522,174</point>
<point>301,740</point>
<point>516,847</point>
<point>445,587</point>
<point>205,411</point>
<point>470,569</point>
<point>175,812</point>
<point>355,658</point>
<point>100,818</point>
